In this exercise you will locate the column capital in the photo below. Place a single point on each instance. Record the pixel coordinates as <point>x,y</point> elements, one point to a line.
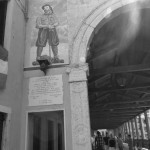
<point>77,72</point>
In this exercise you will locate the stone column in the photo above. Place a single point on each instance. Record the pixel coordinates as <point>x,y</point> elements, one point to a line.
<point>136,127</point>
<point>141,127</point>
<point>124,132</point>
<point>129,128</point>
<point>132,127</point>
<point>81,136</point>
<point>147,127</point>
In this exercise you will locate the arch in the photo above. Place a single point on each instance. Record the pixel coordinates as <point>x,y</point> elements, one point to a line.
<point>84,34</point>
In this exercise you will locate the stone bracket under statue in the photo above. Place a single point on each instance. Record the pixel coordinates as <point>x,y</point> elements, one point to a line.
<point>45,61</point>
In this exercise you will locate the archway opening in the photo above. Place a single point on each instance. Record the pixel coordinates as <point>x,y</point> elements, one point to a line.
<point>119,66</point>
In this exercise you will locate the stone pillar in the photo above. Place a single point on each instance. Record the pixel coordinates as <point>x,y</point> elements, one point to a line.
<point>141,127</point>
<point>147,127</point>
<point>81,136</point>
<point>132,127</point>
<point>129,128</point>
<point>124,132</point>
<point>136,127</point>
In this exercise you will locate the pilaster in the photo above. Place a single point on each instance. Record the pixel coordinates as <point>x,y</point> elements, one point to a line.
<point>79,107</point>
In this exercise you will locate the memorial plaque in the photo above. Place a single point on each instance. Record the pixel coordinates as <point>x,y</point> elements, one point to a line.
<point>46,90</point>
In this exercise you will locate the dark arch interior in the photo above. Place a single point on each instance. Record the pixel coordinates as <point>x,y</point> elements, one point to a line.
<point>119,65</point>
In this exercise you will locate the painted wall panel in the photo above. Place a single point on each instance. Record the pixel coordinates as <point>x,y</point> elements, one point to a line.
<point>59,8</point>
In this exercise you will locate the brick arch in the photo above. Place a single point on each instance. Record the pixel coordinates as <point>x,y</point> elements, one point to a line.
<point>84,34</point>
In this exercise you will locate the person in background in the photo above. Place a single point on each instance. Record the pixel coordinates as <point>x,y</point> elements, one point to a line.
<point>112,143</point>
<point>93,140</point>
<point>99,143</point>
<point>106,139</point>
<point>120,142</point>
<point>130,142</point>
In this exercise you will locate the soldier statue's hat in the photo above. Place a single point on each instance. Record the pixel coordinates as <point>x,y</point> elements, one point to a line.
<point>46,5</point>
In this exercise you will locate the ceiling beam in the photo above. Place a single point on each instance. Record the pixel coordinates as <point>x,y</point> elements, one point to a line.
<point>106,125</point>
<point>99,126</point>
<point>108,114</point>
<point>145,74</point>
<point>104,121</point>
<point>109,123</point>
<point>128,101</point>
<point>95,123</point>
<point>123,107</point>
<point>132,103</point>
<point>126,95</point>
<point>117,110</point>
<point>143,91</point>
<point>113,116</point>
<point>121,69</point>
<point>112,119</point>
<point>146,78</point>
<point>103,104</point>
<point>119,88</point>
<point>120,111</point>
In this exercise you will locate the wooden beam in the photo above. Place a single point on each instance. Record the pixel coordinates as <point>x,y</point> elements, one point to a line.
<point>139,110</point>
<point>106,119</point>
<point>119,88</point>
<point>126,95</point>
<point>112,119</point>
<point>133,103</point>
<point>119,111</point>
<point>116,113</point>
<point>121,69</point>
<point>102,97</point>
<point>112,115</point>
<point>109,119</point>
<point>123,107</point>
<point>106,126</point>
<point>145,74</point>
<point>109,116</point>
<point>129,101</point>
<point>146,78</point>
<point>143,91</point>
<point>111,122</point>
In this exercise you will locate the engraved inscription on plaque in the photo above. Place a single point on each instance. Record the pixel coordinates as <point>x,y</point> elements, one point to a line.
<point>46,90</point>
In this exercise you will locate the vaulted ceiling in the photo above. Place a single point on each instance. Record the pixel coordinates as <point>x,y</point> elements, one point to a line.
<point>119,65</point>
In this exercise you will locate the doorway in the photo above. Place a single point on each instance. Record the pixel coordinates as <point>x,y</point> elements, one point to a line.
<point>2,125</point>
<point>46,130</point>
